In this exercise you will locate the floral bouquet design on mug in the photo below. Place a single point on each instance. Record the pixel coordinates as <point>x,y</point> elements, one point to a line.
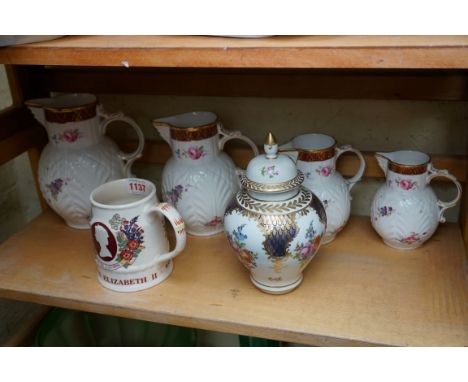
<point>129,239</point>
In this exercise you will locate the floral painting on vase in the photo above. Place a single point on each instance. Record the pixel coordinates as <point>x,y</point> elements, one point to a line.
<point>237,240</point>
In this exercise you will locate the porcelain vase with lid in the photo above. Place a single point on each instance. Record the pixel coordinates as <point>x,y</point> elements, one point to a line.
<point>78,157</point>
<point>274,224</point>
<point>405,211</point>
<point>316,156</point>
<point>199,179</point>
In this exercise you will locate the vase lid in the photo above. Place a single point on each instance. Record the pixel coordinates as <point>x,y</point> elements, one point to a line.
<point>271,173</point>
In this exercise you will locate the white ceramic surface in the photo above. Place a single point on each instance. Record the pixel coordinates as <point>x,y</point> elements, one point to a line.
<point>132,250</point>
<point>79,157</point>
<point>199,178</point>
<point>316,157</point>
<point>275,239</point>
<point>405,211</point>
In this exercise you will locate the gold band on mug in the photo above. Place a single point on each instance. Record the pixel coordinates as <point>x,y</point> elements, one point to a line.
<point>194,133</point>
<point>405,169</point>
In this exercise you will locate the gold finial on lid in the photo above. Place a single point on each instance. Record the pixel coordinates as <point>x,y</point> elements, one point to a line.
<point>270,139</point>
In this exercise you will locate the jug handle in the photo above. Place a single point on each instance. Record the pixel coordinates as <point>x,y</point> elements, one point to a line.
<point>362,164</point>
<point>434,173</point>
<point>179,227</point>
<point>228,135</point>
<point>128,158</point>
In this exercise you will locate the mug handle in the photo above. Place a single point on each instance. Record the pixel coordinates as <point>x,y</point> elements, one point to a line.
<point>179,227</point>
<point>228,135</point>
<point>434,173</point>
<point>362,164</point>
<point>128,158</point>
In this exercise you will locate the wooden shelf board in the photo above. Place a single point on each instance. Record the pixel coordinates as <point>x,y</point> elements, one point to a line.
<point>274,52</point>
<point>356,291</point>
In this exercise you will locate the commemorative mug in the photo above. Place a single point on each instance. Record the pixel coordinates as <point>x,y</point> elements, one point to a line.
<point>127,225</point>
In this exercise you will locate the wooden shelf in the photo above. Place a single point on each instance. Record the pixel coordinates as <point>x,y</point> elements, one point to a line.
<point>376,52</point>
<point>356,291</point>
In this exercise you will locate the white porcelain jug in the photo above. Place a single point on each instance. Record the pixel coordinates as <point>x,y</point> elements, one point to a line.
<point>316,156</point>
<point>405,211</point>
<point>199,179</point>
<point>79,157</point>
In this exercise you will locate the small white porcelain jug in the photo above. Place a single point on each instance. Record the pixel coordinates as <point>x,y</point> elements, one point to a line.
<point>316,156</point>
<point>405,211</point>
<point>200,179</point>
<point>79,157</point>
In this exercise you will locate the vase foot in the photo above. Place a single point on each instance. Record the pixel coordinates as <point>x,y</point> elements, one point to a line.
<point>327,239</point>
<point>277,289</point>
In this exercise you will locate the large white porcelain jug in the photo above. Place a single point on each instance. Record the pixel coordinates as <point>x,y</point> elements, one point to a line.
<point>79,157</point>
<point>316,156</point>
<point>199,179</point>
<point>405,211</point>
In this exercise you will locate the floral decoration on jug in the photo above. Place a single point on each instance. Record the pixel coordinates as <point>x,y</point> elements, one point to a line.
<point>175,194</point>
<point>69,135</point>
<point>56,187</point>
<point>193,152</point>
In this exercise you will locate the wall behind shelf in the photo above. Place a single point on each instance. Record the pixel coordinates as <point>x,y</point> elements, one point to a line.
<point>370,125</point>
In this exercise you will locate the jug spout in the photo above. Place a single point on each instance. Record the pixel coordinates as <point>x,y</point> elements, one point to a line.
<point>59,104</point>
<point>164,130</point>
<point>36,106</point>
<point>382,160</point>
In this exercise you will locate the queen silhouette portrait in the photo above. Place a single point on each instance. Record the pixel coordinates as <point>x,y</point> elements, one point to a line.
<point>104,242</point>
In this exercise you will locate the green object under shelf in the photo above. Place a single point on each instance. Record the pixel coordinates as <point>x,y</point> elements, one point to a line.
<point>62,327</point>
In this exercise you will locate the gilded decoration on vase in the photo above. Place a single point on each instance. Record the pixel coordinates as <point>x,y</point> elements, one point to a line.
<point>279,231</point>
<point>300,201</point>
<point>272,187</point>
